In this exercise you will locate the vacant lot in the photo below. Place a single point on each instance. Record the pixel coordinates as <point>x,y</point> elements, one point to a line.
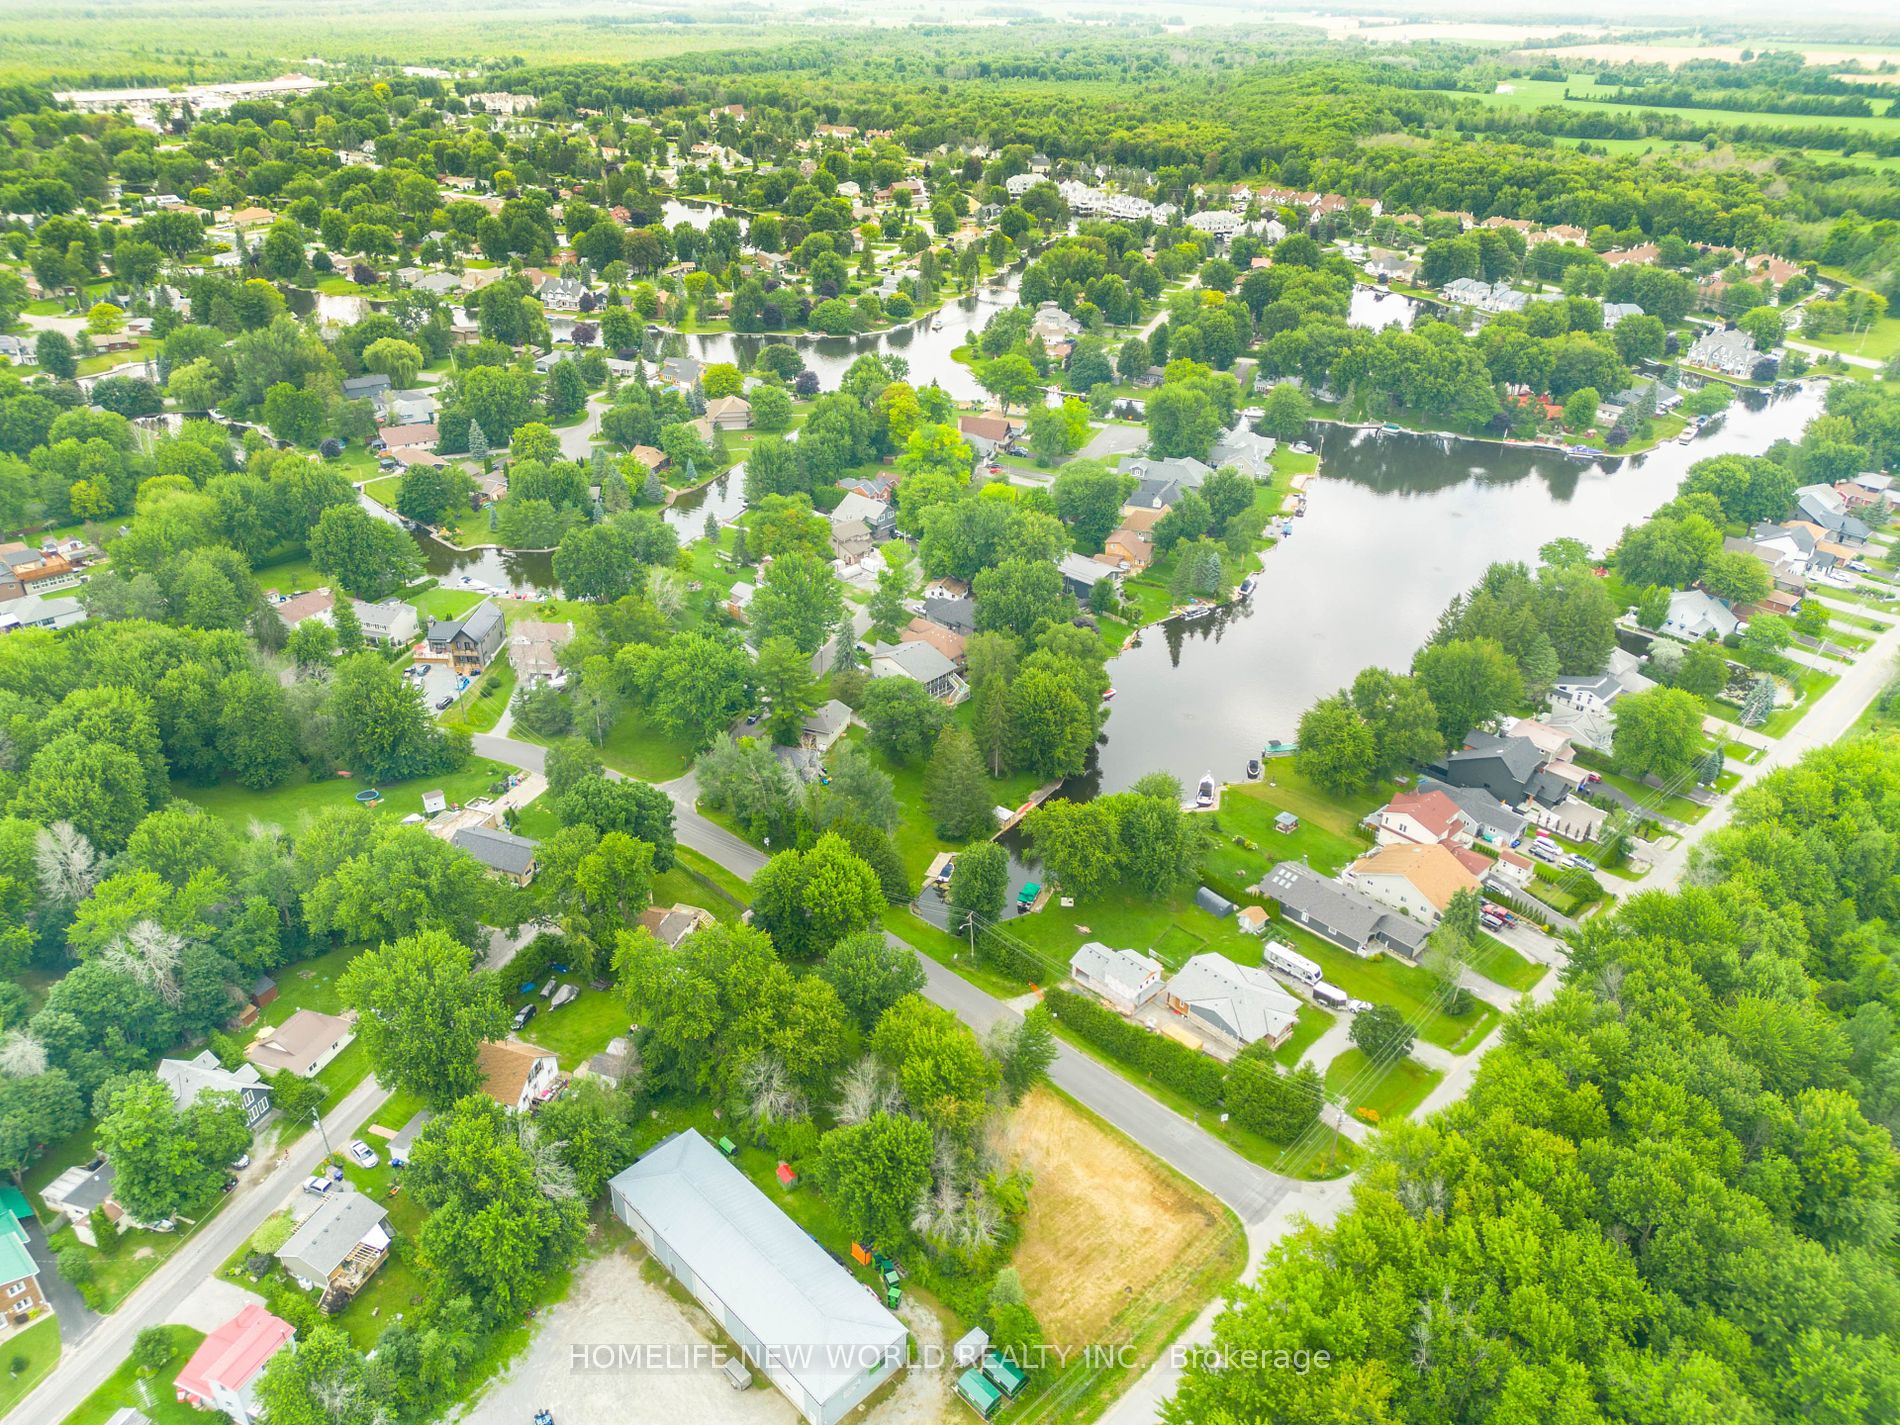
<point>1107,1223</point>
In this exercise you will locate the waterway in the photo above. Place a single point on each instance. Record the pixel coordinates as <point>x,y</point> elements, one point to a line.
<point>1396,525</point>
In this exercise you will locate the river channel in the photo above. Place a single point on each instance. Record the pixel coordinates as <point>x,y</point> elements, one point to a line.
<point>1397,524</point>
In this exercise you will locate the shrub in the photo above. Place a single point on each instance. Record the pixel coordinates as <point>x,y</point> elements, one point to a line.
<point>153,1349</point>
<point>1175,1066</point>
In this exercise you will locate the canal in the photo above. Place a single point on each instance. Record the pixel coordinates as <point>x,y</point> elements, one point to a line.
<point>1396,525</point>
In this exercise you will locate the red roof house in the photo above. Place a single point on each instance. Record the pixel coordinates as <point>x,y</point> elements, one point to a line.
<point>222,1373</point>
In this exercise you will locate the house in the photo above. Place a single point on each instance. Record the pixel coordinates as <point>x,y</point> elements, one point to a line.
<point>34,571</point>
<point>824,725</point>
<point>534,649</point>
<point>37,611</point>
<point>390,624</point>
<point>1127,979</point>
<point>338,1247</point>
<point>318,604</point>
<point>1822,505</point>
<point>418,435</point>
<point>1595,730</point>
<point>654,459</point>
<point>1421,819</point>
<point>1183,470</point>
<point>948,642</point>
<point>1234,1004</point>
<point>222,1373</point>
<point>366,387</point>
<point>851,543</point>
<point>995,430</point>
<point>612,1066</point>
<point>879,516</point>
<point>1494,820</point>
<point>671,924</point>
<point>1553,742</point>
<point>1694,615</point>
<point>1593,692</point>
<point>681,371</point>
<point>924,664</point>
<point>1509,768</point>
<point>1579,820</point>
<point>1419,880</point>
<point>20,1295</point>
<point>302,1045</point>
<point>499,851</point>
<point>956,612</point>
<point>403,1143</point>
<point>1080,574</point>
<point>1130,548</point>
<point>516,1074</point>
<point>469,643</point>
<point>1250,454</point>
<point>1729,351</point>
<point>187,1078</point>
<point>18,351</point>
<point>1342,914</point>
<point>561,294</point>
<point>796,1314</point>
<point>80,1191</point>
<point>729,413</point>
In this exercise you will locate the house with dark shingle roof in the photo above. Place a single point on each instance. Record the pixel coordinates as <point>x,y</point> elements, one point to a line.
<point>469,643</point>
<point>499,851</point>
<point>1341,914</point>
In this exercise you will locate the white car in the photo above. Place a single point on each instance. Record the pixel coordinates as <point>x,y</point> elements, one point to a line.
<point>1860,566</point>
<point>364,1155</point>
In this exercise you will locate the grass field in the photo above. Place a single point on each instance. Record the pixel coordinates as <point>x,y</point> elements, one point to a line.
<point>1530,94</point>
<point>1128,1269</point>
<point>38,1347</point>
<point>1392,1092</point>
<point>288,806</point>
<point>1502,965</point>
<point>122,1389</point>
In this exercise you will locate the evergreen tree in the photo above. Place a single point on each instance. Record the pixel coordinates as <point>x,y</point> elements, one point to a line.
<point>1711,768</point>
<point>712,527</point>
<point>1759,703</point>
<point>955,788</point>
<point>478,444</point>
<point>653,492</point>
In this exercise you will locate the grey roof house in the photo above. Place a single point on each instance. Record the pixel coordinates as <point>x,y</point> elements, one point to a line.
<point>1509,768</point>
<point>1494,820</point>
<point>499,851</point>
<point>1341,914</point>
<point>187,1078</point>
<point>798,1316</point>
<point>1237,1004</point>
<point>470,642</point>
<point>922,662</point>
<point>342,1241</point>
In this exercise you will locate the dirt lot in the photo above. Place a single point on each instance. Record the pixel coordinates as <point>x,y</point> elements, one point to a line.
<point>1107,1224</point>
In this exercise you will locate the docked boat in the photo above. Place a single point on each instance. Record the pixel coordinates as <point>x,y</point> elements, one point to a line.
<point>1300,447</point>
<point>1585,452</point>
<point>1247,586</point>
<point>936,322</point>
<point>1253,769</point>
<point>1197,611</point>
<point>1392,426</point>
<point>1204,796</point>
<point>1109,696</point>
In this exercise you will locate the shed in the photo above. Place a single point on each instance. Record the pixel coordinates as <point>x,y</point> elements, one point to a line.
<point>970,1347</point>
<point>786,1177</point>
<point>1213,902</point>
<point>982,1397</point>
<point>1004,1374</point>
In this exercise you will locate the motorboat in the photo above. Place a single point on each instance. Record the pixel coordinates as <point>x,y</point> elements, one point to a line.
<point>936,322</point>
<point>1253,769</point>
<point>1109,696</point>
<point>1204,796</point>
<point>1246,588</point>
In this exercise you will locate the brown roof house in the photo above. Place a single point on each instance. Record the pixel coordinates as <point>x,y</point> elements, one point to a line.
<point>303,1045</point>
<point>729,413</point>
<point>516,1074</point>
<point>534,648</point>
<point>1419,880</point>
<point>671,924</point>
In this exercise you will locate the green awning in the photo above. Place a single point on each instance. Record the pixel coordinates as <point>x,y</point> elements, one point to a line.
<point>14,1201</point>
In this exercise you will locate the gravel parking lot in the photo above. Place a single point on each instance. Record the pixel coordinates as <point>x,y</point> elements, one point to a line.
<point>675,1380</point>
<point>439,681</point>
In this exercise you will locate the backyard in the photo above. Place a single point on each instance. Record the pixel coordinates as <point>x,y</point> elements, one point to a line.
<point>290,805</point>
<point>123,1389</point>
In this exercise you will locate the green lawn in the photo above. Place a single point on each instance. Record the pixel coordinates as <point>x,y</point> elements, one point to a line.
<point>1246,816</point>
<point>289,805</point>
<point>38,1347</point>
<point>1389,1093</point>
<point>481,705</point>
<point>441,603</point>
<point>641,749</point>
<point>917,839</point>
<point>122,1389</point>
<point>1813,684</point>
<point>578,1030</point>
<point>1502,965</point>
<point>1387,981</point>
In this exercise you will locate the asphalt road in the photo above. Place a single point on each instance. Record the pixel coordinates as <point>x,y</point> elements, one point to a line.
<point>1251,1191</point>
<point>84,1366</point>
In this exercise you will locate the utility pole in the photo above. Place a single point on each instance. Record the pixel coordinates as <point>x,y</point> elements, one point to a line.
<point>324,1132</point>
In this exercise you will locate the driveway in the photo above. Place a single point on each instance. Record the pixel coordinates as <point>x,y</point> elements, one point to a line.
<point>76,1319</point>
<point>211,1303</point>
<point>1108,442</point>
<point>438,681</point>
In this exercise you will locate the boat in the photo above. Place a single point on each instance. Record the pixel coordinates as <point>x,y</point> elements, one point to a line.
<point>1197,611</point>
<point>1109,696</point>
<point>1300,447</point>
<point>1204,795</point>
<point>1585,452</point>
<point>1688,435</point>
<point>936,322</point>
<point>1253,769</point>
<point>1392,426</point>
<point>1247,586</point>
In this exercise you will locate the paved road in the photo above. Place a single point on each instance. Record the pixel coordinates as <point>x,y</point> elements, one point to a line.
<point>1250,1191</point>
<point>83,1368</point>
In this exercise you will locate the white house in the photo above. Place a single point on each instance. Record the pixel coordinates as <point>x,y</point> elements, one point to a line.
<point>1233,1004</point>
<point>517,1075</point>
<point>1127,979</point>
<point>1418,880</point>
<point>1695,615</point>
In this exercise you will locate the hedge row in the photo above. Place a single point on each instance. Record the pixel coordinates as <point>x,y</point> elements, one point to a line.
<point>1191,1074</point>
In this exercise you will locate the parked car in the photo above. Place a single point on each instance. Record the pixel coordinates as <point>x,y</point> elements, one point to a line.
<point>523,1015</point>
<point>364,1155</point>
<point>241,1162</point>
<point>1860,566</point>
<point>1358,1006</point>
<point>317,1185</point>
<point>446,701</point>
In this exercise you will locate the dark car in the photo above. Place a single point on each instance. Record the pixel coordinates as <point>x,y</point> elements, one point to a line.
<point>523,1015</point>
<point>447,700</point>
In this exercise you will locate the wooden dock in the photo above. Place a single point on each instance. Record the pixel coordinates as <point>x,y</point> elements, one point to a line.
<point>1036,799</point>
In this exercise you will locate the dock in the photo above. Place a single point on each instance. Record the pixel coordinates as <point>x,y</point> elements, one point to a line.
<point>1036,799</point>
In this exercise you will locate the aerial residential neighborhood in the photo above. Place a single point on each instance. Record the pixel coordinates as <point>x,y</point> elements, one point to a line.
<point>872,716</point>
